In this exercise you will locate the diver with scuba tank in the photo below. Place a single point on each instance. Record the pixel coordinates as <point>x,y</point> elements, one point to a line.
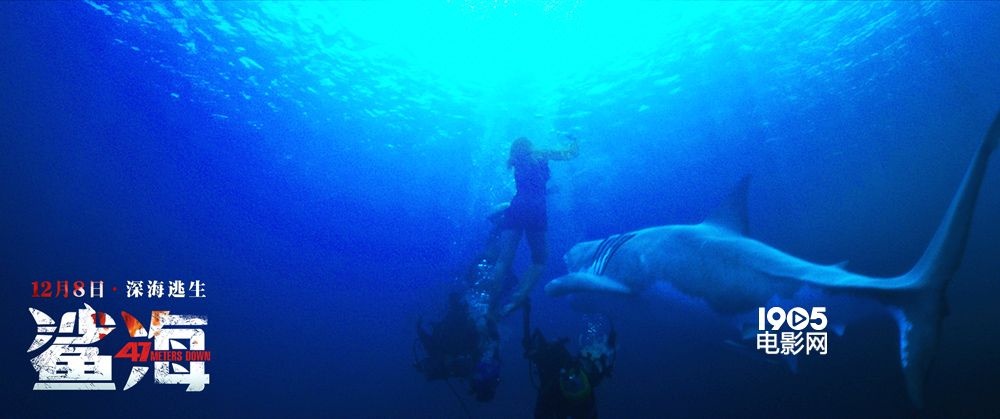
<point>566,382</point>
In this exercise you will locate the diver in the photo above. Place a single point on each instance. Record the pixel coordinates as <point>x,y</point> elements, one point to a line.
<point>565,382</point>
<point>526,215</point>
<point>465,343</point>
<point>462,345</point>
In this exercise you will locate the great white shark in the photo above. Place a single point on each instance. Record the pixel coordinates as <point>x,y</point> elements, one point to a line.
<point>716,266</point>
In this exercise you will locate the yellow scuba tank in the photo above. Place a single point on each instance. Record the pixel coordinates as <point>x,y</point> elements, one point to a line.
<point>574,384</point>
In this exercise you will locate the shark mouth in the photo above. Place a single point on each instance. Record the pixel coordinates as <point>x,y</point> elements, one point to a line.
<point>606,250</point>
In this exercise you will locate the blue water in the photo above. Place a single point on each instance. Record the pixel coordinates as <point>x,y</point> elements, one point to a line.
<point>326,169</point>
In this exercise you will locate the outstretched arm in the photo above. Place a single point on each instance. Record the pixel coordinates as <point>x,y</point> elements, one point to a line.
<point>568,153</point>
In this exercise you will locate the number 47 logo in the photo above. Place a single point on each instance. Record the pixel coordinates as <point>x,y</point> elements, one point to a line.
<point>135,351</point>
<point>166,350</point>
<point>71,362</point>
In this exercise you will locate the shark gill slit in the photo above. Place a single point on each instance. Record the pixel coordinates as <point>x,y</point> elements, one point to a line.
<point>606,250</point>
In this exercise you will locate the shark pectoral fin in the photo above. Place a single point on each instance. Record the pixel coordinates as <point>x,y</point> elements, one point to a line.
<point>585,281</point>
<point>748,331</point>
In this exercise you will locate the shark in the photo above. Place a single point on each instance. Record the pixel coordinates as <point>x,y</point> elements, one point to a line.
<point>717,267</point>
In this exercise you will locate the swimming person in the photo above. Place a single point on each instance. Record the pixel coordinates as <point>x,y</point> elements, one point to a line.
<point>526,215</point>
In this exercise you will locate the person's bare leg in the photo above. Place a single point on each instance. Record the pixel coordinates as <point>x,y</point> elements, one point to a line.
<point>539,254</point>
<point>509,239</point>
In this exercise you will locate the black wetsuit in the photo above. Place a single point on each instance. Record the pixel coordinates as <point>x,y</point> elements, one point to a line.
<point>551,360</point>
<point>527,213</point>
<point>527,210</point>
<point>452,344</point>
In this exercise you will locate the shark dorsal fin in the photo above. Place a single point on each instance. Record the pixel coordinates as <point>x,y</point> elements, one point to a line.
<point>732,213</point>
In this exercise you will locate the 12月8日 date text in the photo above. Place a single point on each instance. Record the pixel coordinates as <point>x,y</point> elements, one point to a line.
<point>153,288</point>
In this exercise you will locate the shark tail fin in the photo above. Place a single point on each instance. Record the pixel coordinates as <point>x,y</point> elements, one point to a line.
<point>919,328</point>
<point>922,307</point>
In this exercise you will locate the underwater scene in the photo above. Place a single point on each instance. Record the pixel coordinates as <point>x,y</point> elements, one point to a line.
<point>500,209</point>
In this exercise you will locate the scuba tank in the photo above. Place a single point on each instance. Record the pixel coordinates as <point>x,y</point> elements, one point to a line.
<point>574,384</point>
